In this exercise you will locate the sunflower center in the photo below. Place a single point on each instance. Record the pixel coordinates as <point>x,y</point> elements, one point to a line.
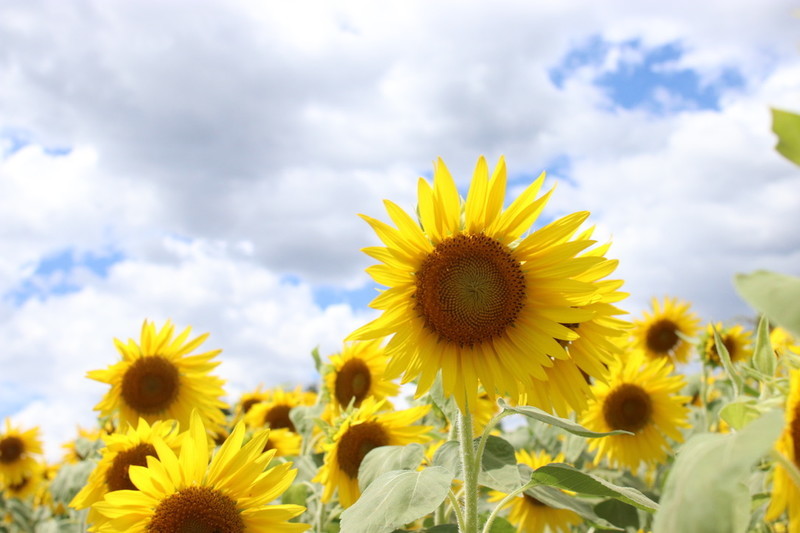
<point>352,382</point>
<point>250,402</point>
<point>662,336</point>
<point>278,417</point>
<point>628,407</point>
<point>196,510</point>
<point>356,443</point>
<point>11,449</point>
<point>533,501</point>
<point>730,344</point>
<point>150,385</point>
<point>117,476</point>
<point>470,289</point>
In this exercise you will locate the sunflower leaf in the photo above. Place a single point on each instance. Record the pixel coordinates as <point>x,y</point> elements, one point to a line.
<point>564,476</point>
<point>739,413</point>
<point>557,499</point>
<point>447,456</point>
<point>706,490</point>
<point>775,295</point>
<point>786,126</point>
<point>387,458</point>
<point>563,423</point>
<point>499,466</point>
<point>725,357</point>
<point>763,355</point>
<point>397,498</point>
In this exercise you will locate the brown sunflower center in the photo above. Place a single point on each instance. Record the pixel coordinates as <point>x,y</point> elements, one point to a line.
<point>16,488</point>
<point>352,382</point>
<point>278,417</point>
<point>150,385</point>
<point>196,510</point>
<point>730,344</point>
<point>628,407</point>
<point>470,289</point>
<point>11,449</point>
<point>662,336</point>
<point>250,402</point>
<point>117,477</point>
<point>533,501</point>
<point>356,443</point>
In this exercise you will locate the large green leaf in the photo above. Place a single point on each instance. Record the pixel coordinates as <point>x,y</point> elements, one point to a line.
<point>447,456</point>
<point>397,498</point>
<point>706,491</point>
<point>618,513</point>
<point>740,413</point>
<point>387,458</point>
<point>563,423</point>
<point>557,499</point>
<point>499,466</point>
<point>775,295</point>
<point>786,126</point>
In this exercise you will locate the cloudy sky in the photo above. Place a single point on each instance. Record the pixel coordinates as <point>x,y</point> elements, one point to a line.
<point>205,161</point>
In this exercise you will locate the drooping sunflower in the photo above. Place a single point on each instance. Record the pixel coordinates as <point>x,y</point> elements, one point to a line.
<point>273,410</point>
<point>230,494</point>
<point>470,294</point>
<point>364,429</point>
<point>157,379</point>
<point>737,341</point>
<point>657,333</point>
<point>528,514</point>
<point>641,397</point>
<point>121,451</point>
<point>785,493</point>
<point>357,373</point>
<point>19,453</point>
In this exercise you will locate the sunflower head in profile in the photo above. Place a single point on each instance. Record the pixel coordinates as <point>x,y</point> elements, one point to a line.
<point>361,431</point>
<point>123,450</point>
<point>659,333</point>
<point>528,514</point>
<point>273,410</point>
<point>157,379</point>
<point>19,453</point>
<point>785,493</point>
<point>471,293</point>
<point>736,340</point>
<point>356,374</point>
<point>641,397</point>
<point>231,493</point>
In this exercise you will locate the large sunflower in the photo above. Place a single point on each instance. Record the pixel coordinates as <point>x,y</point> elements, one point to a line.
<point>785,493</point>
<point>528,514</point>
<point>736,340</point>
<point>357,373</point>
<point>657,334</point>
<point>364,429</point>
<point>19,451</point>
<point>231,494</point>
<point>469,294</point>
<point>121,451</point>
<point>641,397</point>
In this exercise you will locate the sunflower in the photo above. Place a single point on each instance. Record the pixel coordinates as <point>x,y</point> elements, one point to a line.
<point>737,341</point>
<point>785,493</point>
<point>284,442</point>
<point>120,452</point>
<point>28,486</point>
<point>158,380</point>
<point>72,452</point>
<point>18,453</point>
<point>468,294</point>
<point>248,399</point>
<point>356,374</point>
<point>783,342</point>
<point>364,429</point>
<point>641,397</point>
<point>273,410</point>
<point>528,514</point>
<point>229,494</point>
<point>659,333</point>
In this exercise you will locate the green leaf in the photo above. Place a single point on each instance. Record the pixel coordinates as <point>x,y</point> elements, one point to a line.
<point>387,458</point>
<point>706,491</point>
<point>739,413</point>
<point>500,524</point>
<point>563,423</point>
<point>317,359</point>
<point>499,466</point>
<point>447,456</point>
<point>763,355</point>
<point>725,357</point>
<point>557,499</point>
<point>786,126</point>
<point>444,403</point>
<point>304,418</point>
<point>397,498</point>
<point>70,479</point>
<point>775,295</point>
<point>568,477</point>
<point>618,513</point>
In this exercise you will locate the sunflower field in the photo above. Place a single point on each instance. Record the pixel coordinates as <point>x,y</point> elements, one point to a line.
<point>536,403</point>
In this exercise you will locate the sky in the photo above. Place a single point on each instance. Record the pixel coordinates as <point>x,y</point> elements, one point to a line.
<point>206,161</point>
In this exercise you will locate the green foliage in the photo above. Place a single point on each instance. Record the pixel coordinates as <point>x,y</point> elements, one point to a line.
<point>499,466</point>
<point>775,295</point>
<point>387,458</point>
<point>786,126</point>
<point>563,423</point>
<point>763,355</point>
<point>725,357</point>
<point>559,500</point>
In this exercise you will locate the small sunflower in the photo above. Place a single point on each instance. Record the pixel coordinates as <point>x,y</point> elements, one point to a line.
<point>248,399</point>
<point>641,397</point>
<point>273,410</point>
<point>470,293</point>
<point>657,335</point>
<point>737,341</point>
<point>121,451</point>
<point>19,451</point>
<point>28,486</point>
<point>783,342</point>
<point>357,373</point>
<point>363,430</point>
<point>72,453</point>
<point>158,380</point>
<point>284,442</point>
<point>785,493</point>
<point>231,493</point>
<point>528,514</point>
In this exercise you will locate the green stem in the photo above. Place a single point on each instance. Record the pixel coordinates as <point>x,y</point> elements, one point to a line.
<point>451,496</point>
<point>704,395</point>
<point>485,436</point>
<point>505,501</point>
<point>471,470</point>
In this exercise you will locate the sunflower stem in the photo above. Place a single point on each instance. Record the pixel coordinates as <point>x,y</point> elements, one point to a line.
<point>454,503</point>
<point>471,469</point>
<point>502,503</point>
<point>485,436</point>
